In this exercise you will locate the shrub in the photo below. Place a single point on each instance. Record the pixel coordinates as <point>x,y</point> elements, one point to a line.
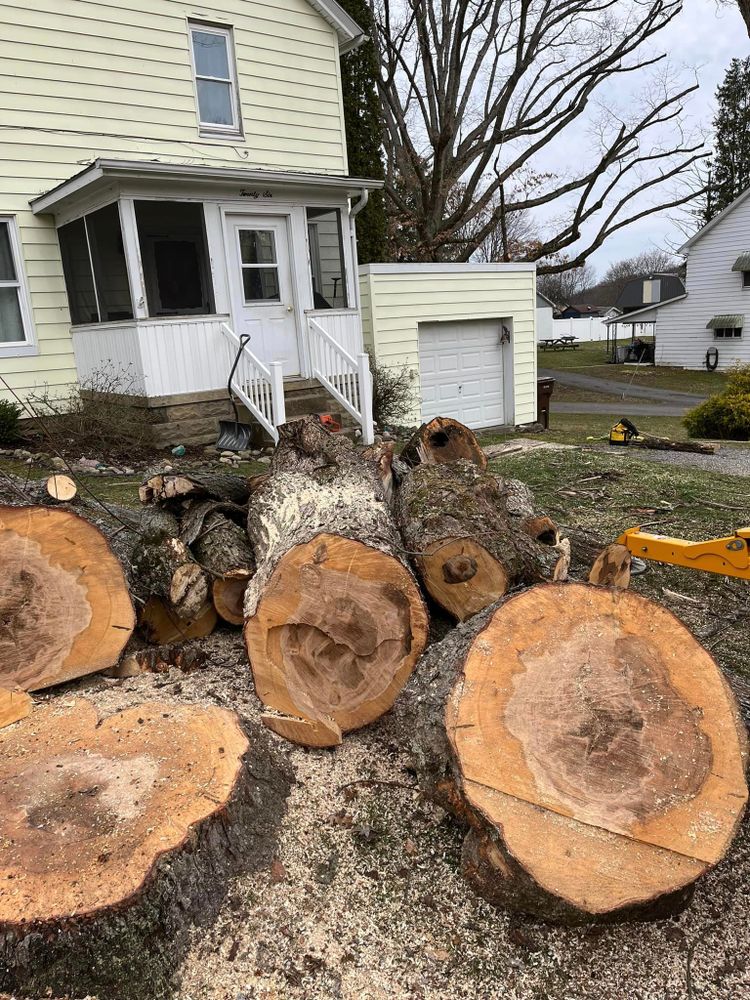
<point>392,392</point>
<point>726,416</point>
<point>10,414</point>
<point>738,381</point>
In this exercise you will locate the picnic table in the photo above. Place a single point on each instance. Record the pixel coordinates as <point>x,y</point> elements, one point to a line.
<point>559,343</point>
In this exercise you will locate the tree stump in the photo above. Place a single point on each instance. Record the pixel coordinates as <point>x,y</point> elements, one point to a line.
<point>117,834</point>
<point>443,440</point>
<point>591,745</point>
<point>65,610</point>
<point>467,551</point>
<point>334,618</point>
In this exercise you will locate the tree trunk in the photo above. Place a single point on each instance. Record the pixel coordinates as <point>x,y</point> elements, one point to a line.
<point>65,610</point>
<point>590,744</point>
<point>195,512</point>
<point>334,618</point>
<point>467,550</point>
<point>443,440</point>
<point>175,487</point>
<point>164,567</point>
<point>118,834</point>
<point>223,548</point>
<point>653,443</point>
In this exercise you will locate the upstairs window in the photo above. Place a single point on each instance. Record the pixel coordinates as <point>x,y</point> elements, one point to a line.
<point>15,315</point>
<point>215,79</point>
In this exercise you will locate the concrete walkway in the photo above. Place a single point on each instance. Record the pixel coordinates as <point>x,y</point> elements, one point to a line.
<point>666,397</point>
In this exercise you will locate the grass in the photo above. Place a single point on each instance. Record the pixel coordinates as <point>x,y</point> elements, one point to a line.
<point>582,428</point>
<point>590,359</point>
<point>604,494</point>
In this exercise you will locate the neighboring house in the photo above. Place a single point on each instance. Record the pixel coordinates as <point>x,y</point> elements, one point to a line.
<point>175,177</point>
<point>706,323</point>
<point>581,310</point>
<point>640,292</point>
<point>545,310</point>
<point>466,331</point>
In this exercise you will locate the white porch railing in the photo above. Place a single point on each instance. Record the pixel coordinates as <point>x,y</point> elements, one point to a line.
<point>347,378</point>
<point>260,387</point>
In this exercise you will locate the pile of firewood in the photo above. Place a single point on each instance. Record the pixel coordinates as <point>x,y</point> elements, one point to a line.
<point>588,743</point>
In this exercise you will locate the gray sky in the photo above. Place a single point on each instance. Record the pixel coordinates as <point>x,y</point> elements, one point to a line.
<point>703,39</point>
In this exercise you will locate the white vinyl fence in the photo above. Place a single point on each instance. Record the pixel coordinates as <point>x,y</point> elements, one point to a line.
<point>586,329</point>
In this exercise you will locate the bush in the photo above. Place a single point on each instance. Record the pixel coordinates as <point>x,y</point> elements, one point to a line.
<point>738,382</point>
<point>392,392</point>
<point>10,414</point>
<point>726,416</point>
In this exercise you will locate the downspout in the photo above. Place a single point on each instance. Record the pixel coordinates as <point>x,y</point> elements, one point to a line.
<point>354,210</point>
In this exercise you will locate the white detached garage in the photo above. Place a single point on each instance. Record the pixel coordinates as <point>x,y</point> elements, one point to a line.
<point>467,330</point>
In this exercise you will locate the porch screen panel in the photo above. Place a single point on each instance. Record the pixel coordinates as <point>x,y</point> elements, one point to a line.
<point>327,269</point>
<point>79,279</point>
<point>110,269</point>
<point>174,255</point>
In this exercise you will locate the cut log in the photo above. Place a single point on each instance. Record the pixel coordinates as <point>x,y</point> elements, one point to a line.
<point>382,455</point>
<point>65,610</point>
<point>158,623</point>
<point>334,618</point>
<point>164,567</point>
<point>443,440</point>
<point>654,443</point>
<point>116,833</point>
<point>467,550</point>
<point>195,513</point>
<point>229,597</point>
<point>174,487</point>
<point>612,568</point>
<point>223,548</point>
<point>61,488</point>
<point>14,706</point>
<point>159,660</point>
<point>591,745</point>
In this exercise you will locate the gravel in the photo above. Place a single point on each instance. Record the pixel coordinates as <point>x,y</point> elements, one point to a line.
<point>365,899</point>
<point>729,461</point>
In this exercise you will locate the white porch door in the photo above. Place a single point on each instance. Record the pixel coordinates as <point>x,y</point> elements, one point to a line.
<point>262,289</point>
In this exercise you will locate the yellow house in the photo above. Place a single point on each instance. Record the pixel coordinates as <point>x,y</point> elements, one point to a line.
<point>174,195</point>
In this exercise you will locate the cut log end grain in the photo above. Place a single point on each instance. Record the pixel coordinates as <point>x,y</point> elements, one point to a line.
<point>599,752</point>
<point>335,635</point>
<point>90,807</point>
<point>443,440</point>
<point>229,597</point>
<point>612,567</point>
<point>159,624</point>
<point>462,576</point>
<point>14,706</point>
<point>63,598</point>
<point>61,487</point>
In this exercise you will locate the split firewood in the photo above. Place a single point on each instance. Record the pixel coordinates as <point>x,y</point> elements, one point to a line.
<point>612,567</point>
<point>117,834</point>
<point>467,550</point>
<point>590,744</point>
<point>166,487</point>
<point>64,601</point>
<point>158,623</point>
<point>443,440</point>
<point>159,660</point>
<point>61,487</point>
<point>334,621</point>
<point>14,706</point>
<point>654,443</point>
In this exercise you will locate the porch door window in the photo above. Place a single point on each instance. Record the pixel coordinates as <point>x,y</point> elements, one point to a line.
<point>327,271</point>
<point>260,266</point>
<point>174,256</point>
<point>96,274</point>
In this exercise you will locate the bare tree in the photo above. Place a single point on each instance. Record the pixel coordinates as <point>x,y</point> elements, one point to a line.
<point>564,287</point>
<point>474,92</point>
<point>744,6</point>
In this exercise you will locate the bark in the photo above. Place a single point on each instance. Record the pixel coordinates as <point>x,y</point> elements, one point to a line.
<point>466,548</point>
<point>589,791</point>
<point>443,440</point>
<point>109,911</point>
<point>165,568</point>
<point>666,444</point>
<point>222,547</point>
<point>65,609</point>
<point>159,660</point>
<point>176,487</point>
<point>334,618</point>
<point>195,513</point>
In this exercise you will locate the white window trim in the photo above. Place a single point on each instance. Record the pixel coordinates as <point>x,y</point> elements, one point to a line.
<point>27,347</point>
<point>722,335</point>
<point>210,129</point>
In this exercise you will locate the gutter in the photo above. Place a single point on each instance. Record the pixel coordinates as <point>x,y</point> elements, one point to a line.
<point>356,208</point>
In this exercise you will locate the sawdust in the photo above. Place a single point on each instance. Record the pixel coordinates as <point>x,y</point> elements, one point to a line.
<point>365,899</point>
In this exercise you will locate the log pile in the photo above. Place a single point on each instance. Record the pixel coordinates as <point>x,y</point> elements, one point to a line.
<point>583,737</point>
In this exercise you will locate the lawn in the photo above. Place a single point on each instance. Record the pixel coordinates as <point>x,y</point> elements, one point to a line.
<point>585,428</point>
<point>604,494</point>
<point>590,359</point>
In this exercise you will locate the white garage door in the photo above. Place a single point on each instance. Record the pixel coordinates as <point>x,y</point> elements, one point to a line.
<point>461,371</point>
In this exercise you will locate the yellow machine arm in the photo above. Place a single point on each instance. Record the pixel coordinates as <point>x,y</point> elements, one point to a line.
<point>728,556</point>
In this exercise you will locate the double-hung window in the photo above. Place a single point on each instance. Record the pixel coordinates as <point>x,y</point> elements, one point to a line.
<point>215,79</point>
<point>15,314</point>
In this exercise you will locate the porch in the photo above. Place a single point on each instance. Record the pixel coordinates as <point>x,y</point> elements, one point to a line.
<point>177,277</point>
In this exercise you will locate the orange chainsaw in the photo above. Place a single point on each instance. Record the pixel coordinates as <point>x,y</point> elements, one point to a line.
<point>727,556</point>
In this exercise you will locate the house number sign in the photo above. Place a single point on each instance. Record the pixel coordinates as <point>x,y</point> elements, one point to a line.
<point>247,193</point>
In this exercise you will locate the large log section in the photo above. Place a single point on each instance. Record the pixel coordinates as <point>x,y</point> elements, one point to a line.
<point>65,609</point>
<point>467,550</point>
<point>117,834</point>
<point>443,439</point>
<point>591,745</point>
<point>334,618</point>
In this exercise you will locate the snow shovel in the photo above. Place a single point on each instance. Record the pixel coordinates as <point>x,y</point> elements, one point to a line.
<point>234,436</point>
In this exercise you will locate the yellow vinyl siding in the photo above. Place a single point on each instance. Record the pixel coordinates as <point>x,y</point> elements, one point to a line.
<point>81,79</point>
<point>394,303</point>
